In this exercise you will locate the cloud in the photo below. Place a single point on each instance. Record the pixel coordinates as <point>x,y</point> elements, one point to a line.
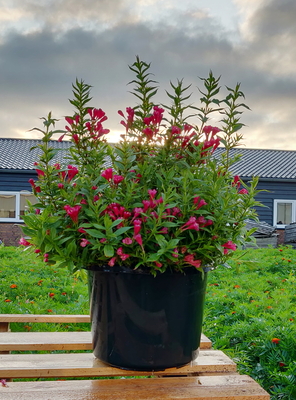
<point>54,42</point>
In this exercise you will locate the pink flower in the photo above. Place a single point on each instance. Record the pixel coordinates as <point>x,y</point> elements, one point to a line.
<point>146,204</point>
<point>72,171</point>
<point>60,185</point>
<point>112,262</point>
<point>152,193</point>
<point>39,171</point>
<point>69,120</point>
<point>81,230</point>
<point>160,200</point>
<point>31,182</point>
<point>175,253</point>
<point>229,246</point>
<point>127,241</point>
<point>210,129</point>
<point>204,222</point>
<point>137,226</point>
<point>75,138</point>
<point>189,259</point>
<point>138,239</point>
<point>137,211</point>
<point>163,230</point>
<point>158,264</point>
<point>107,174</point>
<point>190,224</point>
<point>243,191</point>
<point>117,179</point>
<point>24,242</point>
<point>83,201</point>
<point>73,212</point>
<point>148,132</point>
<point>84,242</point>
<point>121,254</point>
<point>176,130</point>
<point>130,118</point>
<point>37,251</point>
<point>236,181</point>
<point>199,202</point>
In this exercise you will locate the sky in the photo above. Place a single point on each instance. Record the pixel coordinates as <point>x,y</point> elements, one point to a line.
<point>46,44</point>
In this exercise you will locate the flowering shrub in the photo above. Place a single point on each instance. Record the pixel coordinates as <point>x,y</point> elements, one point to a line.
<point>163,200</point>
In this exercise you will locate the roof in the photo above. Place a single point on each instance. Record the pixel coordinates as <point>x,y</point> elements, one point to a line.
<point>15,154</point>
<point>267,164</point>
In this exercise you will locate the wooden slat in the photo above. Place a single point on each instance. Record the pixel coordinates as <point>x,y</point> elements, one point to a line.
<point>233,387</point>
<point>49,341</point>
<point>85,365</point>
<point>58,318</point>
<point>45,341</point>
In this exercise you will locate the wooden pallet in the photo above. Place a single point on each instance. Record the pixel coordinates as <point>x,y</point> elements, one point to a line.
<point>186,388</point>
<point>212,376</point>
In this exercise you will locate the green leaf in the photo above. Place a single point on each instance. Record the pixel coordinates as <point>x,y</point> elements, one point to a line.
<point>108,250</point>
<point>153,257</point>
<point>96,234</point>
<point>116,222</point>
<point>122,230</point>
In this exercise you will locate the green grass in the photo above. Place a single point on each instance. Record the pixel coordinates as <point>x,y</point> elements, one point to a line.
<point>247,306</point>
<point>30,286</point>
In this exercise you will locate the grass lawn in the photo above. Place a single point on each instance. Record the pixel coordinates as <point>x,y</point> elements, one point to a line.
<point>250,310</point>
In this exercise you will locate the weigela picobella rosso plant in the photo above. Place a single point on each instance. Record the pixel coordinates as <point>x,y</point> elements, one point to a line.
<point>163,200</point>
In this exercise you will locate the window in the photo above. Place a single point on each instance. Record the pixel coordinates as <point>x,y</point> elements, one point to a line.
<point>13,205</point>
<point>284,212</point>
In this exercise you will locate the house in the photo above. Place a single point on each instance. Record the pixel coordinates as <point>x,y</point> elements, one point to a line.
<point>275,168</point>
<point>16,168</point>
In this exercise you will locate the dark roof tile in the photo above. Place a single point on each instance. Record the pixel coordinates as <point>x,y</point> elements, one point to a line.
<point>15,154</point>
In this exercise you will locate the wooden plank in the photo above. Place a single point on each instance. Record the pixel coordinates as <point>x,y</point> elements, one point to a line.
<point>49,341</point>
<point>85,365</point>
<point>232,387</point>
<point>45,341</point>
<point>54,318</point>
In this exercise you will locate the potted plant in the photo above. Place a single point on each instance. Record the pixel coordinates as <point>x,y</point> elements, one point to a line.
<point>147,217</point>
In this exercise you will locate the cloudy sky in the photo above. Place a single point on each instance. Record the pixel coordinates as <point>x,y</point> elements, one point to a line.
<point>46,44</point>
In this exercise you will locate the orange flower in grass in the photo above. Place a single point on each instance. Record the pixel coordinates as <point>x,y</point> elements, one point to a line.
<point>7,301</point>
<point>275,340</point>
<point>13,286</point>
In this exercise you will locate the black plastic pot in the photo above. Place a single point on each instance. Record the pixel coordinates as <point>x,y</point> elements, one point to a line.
<point>141,322</point>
